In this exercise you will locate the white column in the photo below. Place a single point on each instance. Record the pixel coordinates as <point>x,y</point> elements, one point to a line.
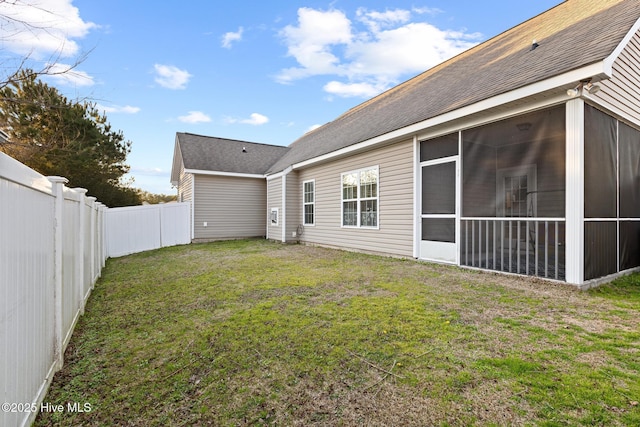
<point>79,257</point>
<point>58,192</point>
<point>92,240</point>
<point>574,190</point>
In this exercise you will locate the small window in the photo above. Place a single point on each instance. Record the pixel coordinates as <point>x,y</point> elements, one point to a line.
<point>309,202</point>
<point>360,198</point>
<point>274,216</point>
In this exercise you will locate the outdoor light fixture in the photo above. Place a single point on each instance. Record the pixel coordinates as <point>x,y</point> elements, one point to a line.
<point>591,88</point>
<point>575,91</point>
<point>586,85</point>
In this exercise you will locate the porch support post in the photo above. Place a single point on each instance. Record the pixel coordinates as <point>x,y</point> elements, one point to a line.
<point>574,199</point>
<point>416,198</point>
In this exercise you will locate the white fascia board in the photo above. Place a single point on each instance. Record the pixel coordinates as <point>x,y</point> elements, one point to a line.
<point>217,173</point>
<point>279,174</point>
<point>596,70</point>
<point>608,62</point>
<point>175,165</point>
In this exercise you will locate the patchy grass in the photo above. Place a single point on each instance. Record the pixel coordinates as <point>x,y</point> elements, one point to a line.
<point>258,333</point>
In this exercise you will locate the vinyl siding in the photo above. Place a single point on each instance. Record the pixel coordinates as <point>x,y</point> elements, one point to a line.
<point>622,91</point>
<point>294,206</point>
<point>395,216</point>
<point>274,200</point>
<point>184,186</point>
<point>232,207</point>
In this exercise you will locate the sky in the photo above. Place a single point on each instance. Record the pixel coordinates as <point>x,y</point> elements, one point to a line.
<point>259,71</point>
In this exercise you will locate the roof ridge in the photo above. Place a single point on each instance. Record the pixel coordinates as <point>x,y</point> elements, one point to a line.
<point>231,139</point>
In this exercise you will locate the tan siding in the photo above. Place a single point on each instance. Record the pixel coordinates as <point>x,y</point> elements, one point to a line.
<point>395,233</point>
<point>184,186</point>
<point>622,91</point>
<point>274,200</point>
<point>294,208</point>
<point>232,207</point>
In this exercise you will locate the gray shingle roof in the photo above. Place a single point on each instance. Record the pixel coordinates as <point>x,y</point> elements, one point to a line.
<point>571,35</point>
<point>226,155</point>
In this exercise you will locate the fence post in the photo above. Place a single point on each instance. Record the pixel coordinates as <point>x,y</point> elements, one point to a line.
<point>80,255</point>
<point>58,194</point>
<point>92,241</point>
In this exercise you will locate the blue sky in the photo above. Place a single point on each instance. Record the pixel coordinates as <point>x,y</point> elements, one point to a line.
<point>257,71</point>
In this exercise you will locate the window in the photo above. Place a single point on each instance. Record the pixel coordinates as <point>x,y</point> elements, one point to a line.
<point>360,198</point>
<point>274,216</point>
<point>309,202</point>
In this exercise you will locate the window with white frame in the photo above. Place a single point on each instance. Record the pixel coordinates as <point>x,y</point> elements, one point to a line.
<point>309,202</point>
<point>360,198</point>
<point>273,217</point>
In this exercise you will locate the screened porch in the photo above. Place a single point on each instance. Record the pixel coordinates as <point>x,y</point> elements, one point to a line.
<point>511,210</point>
<point>513,195</point>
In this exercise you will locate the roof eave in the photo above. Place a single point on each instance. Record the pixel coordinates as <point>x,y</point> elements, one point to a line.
<point>222,173</point>
<point>177,161</point>
<point>608,61</point>
<point>596,71</point>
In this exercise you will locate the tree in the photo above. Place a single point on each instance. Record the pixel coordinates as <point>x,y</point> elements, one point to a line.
<point>154,199</point>
<point>55,136</point>
<point>38,37</point>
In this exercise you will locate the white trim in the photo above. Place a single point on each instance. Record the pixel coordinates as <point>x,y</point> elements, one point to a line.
<point>596,71</point>
<point>459,197</point>
<point>444,252</point>
<point>193,206</point>
<point>277,211</point>
<point>360,199</point>
<point>608,61</point>
<point>283,231</point>
<point>305,203</point>
<point>574,185</point>
<point>512,218</point>
<point>218,173</point>
<point>417,177</point>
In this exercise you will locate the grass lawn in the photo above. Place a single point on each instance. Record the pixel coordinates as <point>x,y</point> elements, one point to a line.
<point>259,333</point>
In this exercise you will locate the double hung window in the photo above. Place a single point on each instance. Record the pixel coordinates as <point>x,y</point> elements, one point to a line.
<point>360,198</point>
<point>309,202</point>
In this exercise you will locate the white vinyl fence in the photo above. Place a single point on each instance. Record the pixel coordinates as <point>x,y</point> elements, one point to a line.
<point>141,228</point>
<point>51,253</point>
<point>53,247</point>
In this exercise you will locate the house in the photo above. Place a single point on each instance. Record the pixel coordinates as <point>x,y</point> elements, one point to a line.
<point>225,181</point>
<point>520,155</point>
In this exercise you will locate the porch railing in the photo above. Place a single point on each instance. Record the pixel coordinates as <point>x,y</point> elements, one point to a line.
<point>530,246</point>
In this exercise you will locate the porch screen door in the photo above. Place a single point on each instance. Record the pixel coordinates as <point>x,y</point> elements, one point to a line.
<point>438,242</point>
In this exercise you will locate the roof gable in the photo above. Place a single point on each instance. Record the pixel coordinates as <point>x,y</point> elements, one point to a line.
<point>572,35</point>
<point>207,153</point>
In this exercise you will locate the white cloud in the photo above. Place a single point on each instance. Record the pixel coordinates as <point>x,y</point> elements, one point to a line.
<point>345,90</point>
<point>125,109</point>
<point>171,77</point>
<point>255,119</point>
<point>313,127</point>
<point>311,41</point>
<point>195,117</point>
<point>37,28</point>
<point>377,20</point>
<point>230,37</point>
<point>370,54</point>
<point>149,171</point>
<point>68,75</point>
